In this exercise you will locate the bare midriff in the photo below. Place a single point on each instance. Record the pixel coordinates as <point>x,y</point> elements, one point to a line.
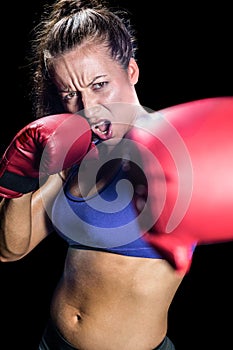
<point>106,301</point>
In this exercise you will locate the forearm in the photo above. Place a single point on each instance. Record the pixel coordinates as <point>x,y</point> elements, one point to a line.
<point>15,227</point>
<point>25,221</point>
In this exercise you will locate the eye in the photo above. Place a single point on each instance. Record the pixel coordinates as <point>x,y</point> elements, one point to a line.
<point>100,85</point>
<point>69,96</point>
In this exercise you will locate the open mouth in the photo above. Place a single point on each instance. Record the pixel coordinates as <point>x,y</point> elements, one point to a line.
<point>102,129</point>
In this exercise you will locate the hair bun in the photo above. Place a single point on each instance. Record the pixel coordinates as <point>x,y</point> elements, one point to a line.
<point>65,8</point>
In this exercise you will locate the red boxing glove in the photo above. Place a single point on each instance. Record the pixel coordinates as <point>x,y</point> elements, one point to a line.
<point>187,156</point>
<point>43,147</point>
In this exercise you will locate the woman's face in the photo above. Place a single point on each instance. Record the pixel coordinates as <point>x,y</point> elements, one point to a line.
<point>88,79</point>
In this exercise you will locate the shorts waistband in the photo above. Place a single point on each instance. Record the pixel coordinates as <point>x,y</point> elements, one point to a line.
<point>53,340</point>
<point>166,344</point>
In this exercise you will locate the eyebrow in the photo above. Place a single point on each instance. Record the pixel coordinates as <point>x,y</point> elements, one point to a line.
<point>92,82</point>
<point>98,76</point>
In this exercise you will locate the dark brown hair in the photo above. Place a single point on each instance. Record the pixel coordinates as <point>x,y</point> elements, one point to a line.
<point>65,25</point>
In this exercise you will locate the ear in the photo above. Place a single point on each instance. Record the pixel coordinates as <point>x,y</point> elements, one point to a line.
<point>133,71</point>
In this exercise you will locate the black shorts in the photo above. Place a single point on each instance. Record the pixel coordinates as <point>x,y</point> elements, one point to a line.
<point>53,340</point>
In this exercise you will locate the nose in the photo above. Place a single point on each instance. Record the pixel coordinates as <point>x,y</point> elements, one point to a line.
<point>91,105</point>
<point>93,112</point>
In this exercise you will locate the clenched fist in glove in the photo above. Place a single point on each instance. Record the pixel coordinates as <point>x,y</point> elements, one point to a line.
<point>187,156</point>
<point>43,147</point>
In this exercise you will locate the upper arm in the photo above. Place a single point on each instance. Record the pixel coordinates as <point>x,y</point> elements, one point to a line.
<point>41,207</point>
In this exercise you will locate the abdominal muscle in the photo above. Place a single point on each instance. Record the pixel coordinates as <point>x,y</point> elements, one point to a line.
<point>106,301</point>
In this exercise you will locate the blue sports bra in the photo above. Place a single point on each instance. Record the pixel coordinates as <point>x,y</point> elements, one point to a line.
<point>105,221</point>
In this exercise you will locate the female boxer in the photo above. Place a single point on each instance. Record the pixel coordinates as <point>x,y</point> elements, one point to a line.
<point>111,295</point>
<point>116,288</point>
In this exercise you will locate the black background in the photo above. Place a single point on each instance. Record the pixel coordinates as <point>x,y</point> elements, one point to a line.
<point>185,53</point>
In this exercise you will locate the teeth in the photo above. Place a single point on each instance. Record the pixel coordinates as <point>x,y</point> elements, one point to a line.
<point>100,123</point>
<point>104,124</point>
<point>101,132</point>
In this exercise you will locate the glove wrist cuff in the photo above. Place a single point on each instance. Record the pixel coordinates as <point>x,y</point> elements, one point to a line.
<point>18,183</point>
